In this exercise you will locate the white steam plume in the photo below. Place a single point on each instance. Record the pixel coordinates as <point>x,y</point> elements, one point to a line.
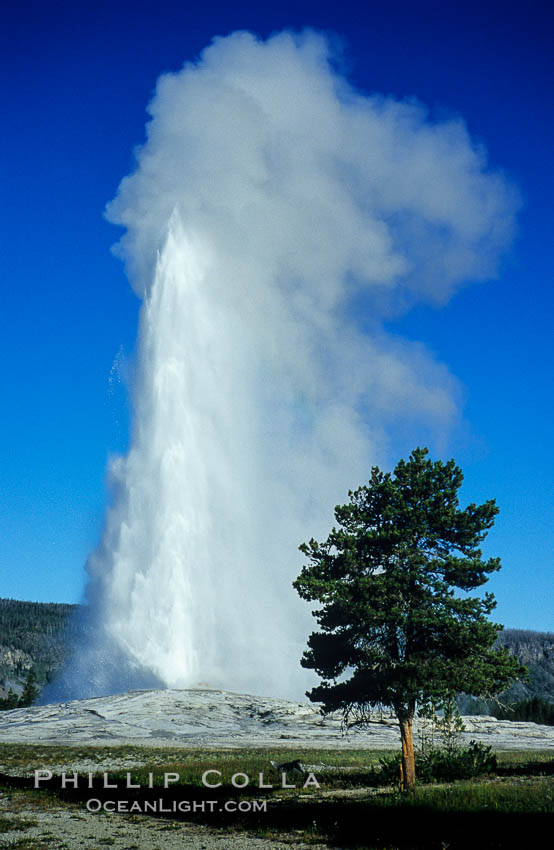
<point>269,198</point>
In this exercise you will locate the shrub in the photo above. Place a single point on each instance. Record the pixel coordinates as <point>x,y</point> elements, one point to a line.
<point>441,764</point>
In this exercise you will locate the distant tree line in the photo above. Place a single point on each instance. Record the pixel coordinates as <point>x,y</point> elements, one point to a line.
<point>534,710</point>
<point>22,622</point>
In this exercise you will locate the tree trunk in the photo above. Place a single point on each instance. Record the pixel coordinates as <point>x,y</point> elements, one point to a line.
<point>408,761</point>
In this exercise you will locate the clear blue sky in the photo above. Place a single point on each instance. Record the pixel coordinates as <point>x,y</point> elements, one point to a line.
<point>77,78</point>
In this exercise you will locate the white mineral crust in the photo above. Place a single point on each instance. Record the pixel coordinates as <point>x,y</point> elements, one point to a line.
<point>205,717</point>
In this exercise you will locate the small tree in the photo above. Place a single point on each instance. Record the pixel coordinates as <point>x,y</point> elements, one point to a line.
<point>30,691</point>
<point>10,701</point>
<point>393,630</point>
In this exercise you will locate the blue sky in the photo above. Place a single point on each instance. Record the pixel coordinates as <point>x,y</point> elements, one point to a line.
<point>79,76</point>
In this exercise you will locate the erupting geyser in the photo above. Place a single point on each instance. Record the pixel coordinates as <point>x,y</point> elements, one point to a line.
<point>271,208</point>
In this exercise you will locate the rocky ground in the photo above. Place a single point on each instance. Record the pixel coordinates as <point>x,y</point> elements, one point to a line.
<point>200,717</point>
<point>66,827</point>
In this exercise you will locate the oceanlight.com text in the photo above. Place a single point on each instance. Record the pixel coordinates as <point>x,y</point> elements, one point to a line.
<point>165,807</point>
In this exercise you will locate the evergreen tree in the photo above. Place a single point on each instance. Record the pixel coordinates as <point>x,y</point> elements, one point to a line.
<point>30,691</point>
<point>394,632</point>
<point>9,702</point>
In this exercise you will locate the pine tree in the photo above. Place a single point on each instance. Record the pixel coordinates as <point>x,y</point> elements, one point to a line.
<point>395,630</point>
<point>10,701</point>
<point>30,691</point>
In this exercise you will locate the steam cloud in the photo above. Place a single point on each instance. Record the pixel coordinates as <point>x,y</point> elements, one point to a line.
<point>275,216</point>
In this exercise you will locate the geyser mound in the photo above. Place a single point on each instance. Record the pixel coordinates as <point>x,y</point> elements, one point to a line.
<point>213,718</point>
<point>274,217</point>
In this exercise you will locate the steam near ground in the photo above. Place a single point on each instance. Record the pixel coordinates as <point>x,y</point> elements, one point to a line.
<point>275,217</point>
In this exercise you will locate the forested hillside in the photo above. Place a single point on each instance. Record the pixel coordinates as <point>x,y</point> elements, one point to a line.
<point>34,636</point>
<point>536,650</point>
<point>526,700</point>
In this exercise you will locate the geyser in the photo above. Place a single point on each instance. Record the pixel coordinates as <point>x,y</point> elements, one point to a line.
<point>274,217</point>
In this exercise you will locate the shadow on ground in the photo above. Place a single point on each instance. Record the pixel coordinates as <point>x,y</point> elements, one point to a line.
<point>380,821</point>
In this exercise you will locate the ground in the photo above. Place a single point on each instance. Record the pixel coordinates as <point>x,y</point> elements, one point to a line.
<point>348,809</point>
<point>70,827</point>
